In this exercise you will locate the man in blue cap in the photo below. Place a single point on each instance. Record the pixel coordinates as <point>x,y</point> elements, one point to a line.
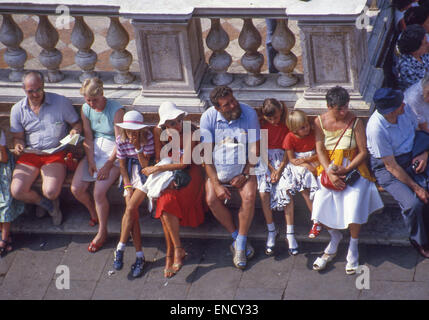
<point>391,131</point>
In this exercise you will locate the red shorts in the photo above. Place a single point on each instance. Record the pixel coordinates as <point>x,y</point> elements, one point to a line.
<point>39,160</point>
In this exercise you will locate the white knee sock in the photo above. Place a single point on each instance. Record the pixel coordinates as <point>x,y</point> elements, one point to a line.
<point>290,236</point>
<point>336,237</point>
<point>353,253</point>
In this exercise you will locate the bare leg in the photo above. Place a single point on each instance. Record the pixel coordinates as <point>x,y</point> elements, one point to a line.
<point>23,178</point>
<point>102,204</point>
<point>5,236</point>
<point>130,217</point>
<point>266,208</point>
<point>354,230</point>
<point>247,209</point>
<point>221,213</point>
<point>172,225</point>
<point>306,195</point>
<point>289,212</point>
<point>53,175</point>
<point>79,190</point>
<point>168,272</point>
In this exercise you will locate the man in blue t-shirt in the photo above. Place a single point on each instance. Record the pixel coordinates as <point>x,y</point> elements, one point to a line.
<point>232,131</point>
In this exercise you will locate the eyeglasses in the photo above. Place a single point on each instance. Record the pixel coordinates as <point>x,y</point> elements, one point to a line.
<point>38,90</point>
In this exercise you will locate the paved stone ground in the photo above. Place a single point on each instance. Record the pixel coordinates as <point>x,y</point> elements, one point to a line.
<point>29,272</point>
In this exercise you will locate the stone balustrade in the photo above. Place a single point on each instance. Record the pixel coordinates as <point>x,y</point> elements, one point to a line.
<point>170,49</point>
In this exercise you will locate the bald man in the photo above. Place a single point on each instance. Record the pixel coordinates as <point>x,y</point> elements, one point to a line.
<point>38,122</point>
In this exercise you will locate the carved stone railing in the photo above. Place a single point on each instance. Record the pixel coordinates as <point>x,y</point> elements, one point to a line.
<point>170,49</point>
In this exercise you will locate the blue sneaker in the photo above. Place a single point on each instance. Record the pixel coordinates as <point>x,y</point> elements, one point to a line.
<point>118,261</point>
<point>137,267</point>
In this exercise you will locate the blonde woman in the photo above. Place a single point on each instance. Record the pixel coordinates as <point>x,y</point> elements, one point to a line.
<point>99,115</point>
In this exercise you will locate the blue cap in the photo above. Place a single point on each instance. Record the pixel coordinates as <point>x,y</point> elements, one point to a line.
<point>388,100</point>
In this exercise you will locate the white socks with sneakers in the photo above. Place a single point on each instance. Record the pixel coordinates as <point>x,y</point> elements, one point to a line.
<point>121,246</point>
<point>353,254</point>
<point>336,237</point>
<point>290,236</point>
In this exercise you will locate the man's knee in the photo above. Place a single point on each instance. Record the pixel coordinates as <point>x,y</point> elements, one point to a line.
<point>17,189</point>
<point>51,192</point>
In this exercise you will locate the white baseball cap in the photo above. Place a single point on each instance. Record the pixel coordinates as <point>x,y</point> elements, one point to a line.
<point>133,120</point>
<point>168,111</point>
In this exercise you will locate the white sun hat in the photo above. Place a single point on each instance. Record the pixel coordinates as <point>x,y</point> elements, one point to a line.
<point>168,111</point>
<point>133,120</point>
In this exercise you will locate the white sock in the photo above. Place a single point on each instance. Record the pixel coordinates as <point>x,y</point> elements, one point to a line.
<point>271,227</point>
<point>290,236</point>
<point>139,254</point>
<point>271,239</point>
<point>336,237</point>
<point>353,254</point>
<point>121,246</point>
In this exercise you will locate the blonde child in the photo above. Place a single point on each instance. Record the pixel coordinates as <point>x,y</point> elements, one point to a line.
<point>274,115</point>
<point>299,174</point>
<point>10,208</point>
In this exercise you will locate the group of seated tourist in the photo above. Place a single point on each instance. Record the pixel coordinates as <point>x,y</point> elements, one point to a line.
<point>185,171</point>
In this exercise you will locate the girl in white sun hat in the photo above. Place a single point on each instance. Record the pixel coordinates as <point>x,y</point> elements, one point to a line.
<point>135,147</point>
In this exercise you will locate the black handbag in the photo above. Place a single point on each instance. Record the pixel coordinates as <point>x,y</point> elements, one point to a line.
<point>181,179</point>
<point>353,175</point>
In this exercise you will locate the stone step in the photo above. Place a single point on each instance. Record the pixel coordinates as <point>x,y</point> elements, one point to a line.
<point>385,228</point>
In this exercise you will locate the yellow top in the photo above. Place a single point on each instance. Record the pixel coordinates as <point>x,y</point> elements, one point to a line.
<point>344,149</point>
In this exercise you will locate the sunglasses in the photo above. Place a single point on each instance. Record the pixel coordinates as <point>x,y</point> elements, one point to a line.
<point>172,123</point>
<point>38,90</point>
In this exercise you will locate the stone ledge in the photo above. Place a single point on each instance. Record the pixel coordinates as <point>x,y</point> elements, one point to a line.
<point>386,228</point>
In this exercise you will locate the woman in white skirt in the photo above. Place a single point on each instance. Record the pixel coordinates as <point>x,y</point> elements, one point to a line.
<point>350,205</point>
<point>100,166</point>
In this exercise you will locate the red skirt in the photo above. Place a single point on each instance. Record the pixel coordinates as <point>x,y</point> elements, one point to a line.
<point>187,203</point>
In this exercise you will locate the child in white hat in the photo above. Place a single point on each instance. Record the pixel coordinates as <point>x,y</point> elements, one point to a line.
<point>135,147</point>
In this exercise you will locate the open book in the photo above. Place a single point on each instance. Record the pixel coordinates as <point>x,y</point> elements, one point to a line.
<point>69,139</point>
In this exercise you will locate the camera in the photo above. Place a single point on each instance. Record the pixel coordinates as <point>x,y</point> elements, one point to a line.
<point>415,165</point>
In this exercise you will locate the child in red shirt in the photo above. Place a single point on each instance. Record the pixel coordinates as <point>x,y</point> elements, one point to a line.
<point>273,119</point>
<point>299,174</point>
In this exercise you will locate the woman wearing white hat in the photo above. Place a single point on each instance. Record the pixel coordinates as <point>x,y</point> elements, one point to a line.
<point>178,207</point>
<point>135,147</point>
<point>99,165</point>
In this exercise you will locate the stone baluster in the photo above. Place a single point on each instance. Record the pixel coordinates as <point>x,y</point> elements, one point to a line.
<point>50,57</point>
<point>250,40</point>
<point>82,38</point>
<point>121,59</point>
<point>285,61</point>
<point>217,40</point>
<point>11,36</point>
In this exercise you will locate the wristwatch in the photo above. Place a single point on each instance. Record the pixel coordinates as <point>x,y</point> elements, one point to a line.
<point>246,176</point>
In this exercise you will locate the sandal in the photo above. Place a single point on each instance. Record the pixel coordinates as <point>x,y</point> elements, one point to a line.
<point>177,266</point>
<point>272,236</point>
<point>292,251</point>
<point>5,248</point>
<point>351,268</point>
<point>94,247</point>
<point>168,271</point>
<point>93,222</point>
<point>320,263</point>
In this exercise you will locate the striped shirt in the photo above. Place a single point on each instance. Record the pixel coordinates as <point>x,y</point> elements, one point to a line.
<point>127,150</point>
